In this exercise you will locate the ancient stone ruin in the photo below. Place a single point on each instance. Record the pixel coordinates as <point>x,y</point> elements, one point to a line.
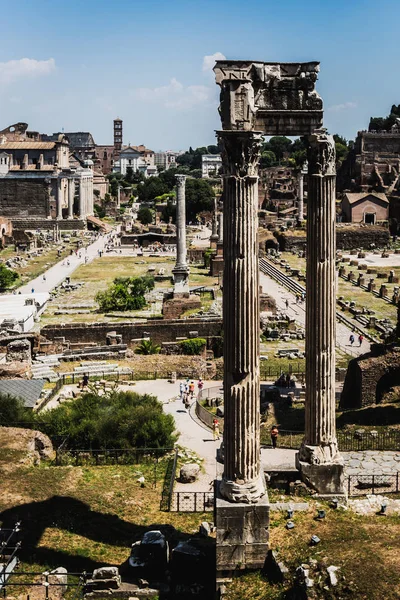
<point>274,99</point>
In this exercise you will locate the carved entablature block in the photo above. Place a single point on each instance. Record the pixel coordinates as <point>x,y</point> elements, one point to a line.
<point>275,98</point>
<point>321,153</point>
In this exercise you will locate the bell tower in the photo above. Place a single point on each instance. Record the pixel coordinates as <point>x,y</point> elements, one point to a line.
<point>117,135</point>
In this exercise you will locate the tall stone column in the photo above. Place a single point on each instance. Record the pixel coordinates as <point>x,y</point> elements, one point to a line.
<point>300,205</point>
<point>71,196</point>
<point>319,459</point>
<point>242,481</point>
<point>81,198</point>
<point>214,230</point>
<point>181,269</point>
<point>220,227</point>
<point>60,195</point>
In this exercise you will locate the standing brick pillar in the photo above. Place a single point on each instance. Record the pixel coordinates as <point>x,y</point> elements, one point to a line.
<point>318,459</point>
<point>181,269</point>
<point>241,481</point>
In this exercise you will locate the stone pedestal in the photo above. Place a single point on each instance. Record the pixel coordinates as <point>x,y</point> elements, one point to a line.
<point>214,232</point>
<point>242,534</point>
<point>319,460</point>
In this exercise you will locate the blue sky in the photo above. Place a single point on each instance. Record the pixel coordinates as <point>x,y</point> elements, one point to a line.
<point>90,61</point>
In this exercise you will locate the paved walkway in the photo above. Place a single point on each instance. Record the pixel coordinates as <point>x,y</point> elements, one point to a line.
<point>355,463</point>
<point>193,434</point>
<point>297,312</point>
<point>58,272</point>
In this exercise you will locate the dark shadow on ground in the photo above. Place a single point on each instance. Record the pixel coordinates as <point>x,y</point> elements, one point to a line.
<point>69,514</point>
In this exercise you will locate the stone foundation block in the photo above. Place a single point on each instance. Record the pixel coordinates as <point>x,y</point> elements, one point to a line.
<point>242,534</point>
<point>326,478</point>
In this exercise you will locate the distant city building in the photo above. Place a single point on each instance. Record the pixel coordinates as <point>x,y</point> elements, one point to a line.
<point>138,158</point>
<point>117,135</point>
<point>166,159</point>
<point>210,165</point>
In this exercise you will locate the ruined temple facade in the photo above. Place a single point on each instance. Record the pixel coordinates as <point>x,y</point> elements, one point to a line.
<point>38,183</point>
<point>373,164</point>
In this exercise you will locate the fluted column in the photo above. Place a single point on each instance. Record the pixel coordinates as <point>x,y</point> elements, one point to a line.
<point>71,196</point>
<point>181,269</point>
<point>320,448</point>
<point>59,198</point>
<point>241,481</point>
<point>81,198</point>
<point>214,230</point>
<point>220,228</point>
<point>300,205</point>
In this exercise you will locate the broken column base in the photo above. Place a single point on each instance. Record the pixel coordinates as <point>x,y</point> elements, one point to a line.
<point>327,478</point>
<point>242,534</point>
<point>216,266</point>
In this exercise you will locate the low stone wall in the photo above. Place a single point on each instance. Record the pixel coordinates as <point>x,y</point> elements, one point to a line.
<point>347,238</point>
<point>158,330</point>
<point>48,224</point>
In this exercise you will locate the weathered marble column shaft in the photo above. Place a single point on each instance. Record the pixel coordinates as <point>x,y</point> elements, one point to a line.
<point>321,293</point>
<point>321,463</point>
<point>241,480</point>
<point>220,228</point>
<point>180,221</point>
<point>300,205</point>
<point>71,196</point>
<point>60,193</point>
<point>181,269</point>
<point>81,197</point>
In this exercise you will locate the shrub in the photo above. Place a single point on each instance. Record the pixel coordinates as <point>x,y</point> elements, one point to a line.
<point>115,420</point>
<point>13,411</point>
<point>193,346</point>
<point>148,347</point>
<point>125,293</point>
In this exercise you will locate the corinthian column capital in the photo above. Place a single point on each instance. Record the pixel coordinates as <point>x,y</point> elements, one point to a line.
<point>240,151</point>
<point>321,153</point>
<point>180,180</point>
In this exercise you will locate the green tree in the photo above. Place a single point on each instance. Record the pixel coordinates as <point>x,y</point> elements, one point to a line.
<point>7,277</point>
<point>125,293</point>
<point>115,420</point>
<point>213,149</point>
<point>268,159</point>
<point>114,184</point>
<point>13,412</point>
<point>129,175</point>
<point>148,347</point>
<point>145,215</point>
<point>199,197</point>
<point>279,145</point>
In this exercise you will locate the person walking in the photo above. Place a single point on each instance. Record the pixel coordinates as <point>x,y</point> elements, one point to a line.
<point>200,384</point>
<point>351,339</point>
<point>274,436</point>
<point>216,429</point>
<point>187,402</point>
<point>360,339</point>
<point>181,389</point>
<point>191,388</point>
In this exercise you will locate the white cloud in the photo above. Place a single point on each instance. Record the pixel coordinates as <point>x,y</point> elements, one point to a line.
<point>25,67</point>
<point>184,97</point>
<point>344,106</point>
<point>176,95</point>
<point>209,61</point>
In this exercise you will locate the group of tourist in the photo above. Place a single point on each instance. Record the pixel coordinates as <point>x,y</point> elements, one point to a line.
<point>187,390</point>
<point>287,380</point>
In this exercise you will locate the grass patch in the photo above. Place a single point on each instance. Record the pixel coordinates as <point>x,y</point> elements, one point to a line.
<point>84,517</point>
<point>366,550</point>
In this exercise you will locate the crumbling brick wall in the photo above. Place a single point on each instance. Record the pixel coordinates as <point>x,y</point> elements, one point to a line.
<point>23,198</point>
<point>158,330</point>
<point>369,376</point>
